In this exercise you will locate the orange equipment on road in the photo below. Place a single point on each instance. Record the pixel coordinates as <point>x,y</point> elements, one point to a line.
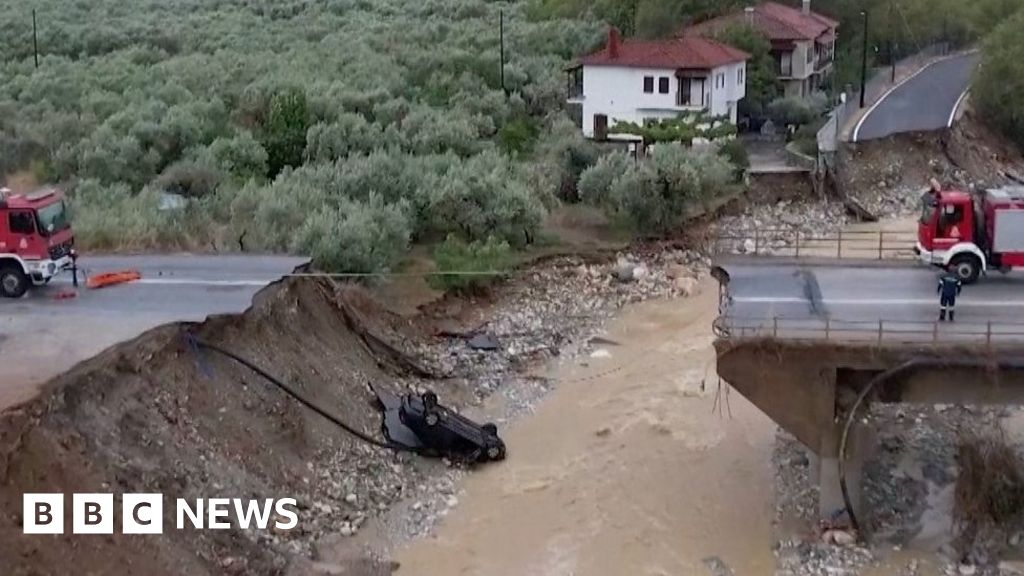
<point>112,278</point>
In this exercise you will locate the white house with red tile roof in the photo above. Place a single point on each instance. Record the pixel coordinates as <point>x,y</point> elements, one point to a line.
<point>803,41</point>
<point>637,81</point>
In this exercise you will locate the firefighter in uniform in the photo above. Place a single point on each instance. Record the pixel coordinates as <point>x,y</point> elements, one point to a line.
<point>949,289</point>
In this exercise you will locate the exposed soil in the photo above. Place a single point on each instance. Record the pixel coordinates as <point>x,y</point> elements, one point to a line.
<point>887,176</point>
<point>153,415</point>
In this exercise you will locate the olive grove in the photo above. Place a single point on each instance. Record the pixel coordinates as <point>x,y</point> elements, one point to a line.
<point>342,128</point>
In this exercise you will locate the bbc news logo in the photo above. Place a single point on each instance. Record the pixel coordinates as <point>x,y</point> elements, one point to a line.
<point>144,514</point>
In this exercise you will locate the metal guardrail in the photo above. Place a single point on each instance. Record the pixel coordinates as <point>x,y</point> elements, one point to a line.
<point>867,331</point>
<point>873,245</point>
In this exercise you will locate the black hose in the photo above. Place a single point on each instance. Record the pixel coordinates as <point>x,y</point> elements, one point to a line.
<point>302,399</point>
<point>887,376</point>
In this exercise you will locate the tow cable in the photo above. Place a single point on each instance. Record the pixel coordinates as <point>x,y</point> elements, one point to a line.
<point>423,425</point>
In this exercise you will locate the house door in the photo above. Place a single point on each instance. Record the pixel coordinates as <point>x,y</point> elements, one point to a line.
<point>685,90</point>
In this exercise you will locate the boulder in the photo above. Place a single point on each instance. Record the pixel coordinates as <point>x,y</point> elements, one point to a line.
<point>676,271</point>
<point>623,272</point>
<point>686,286</point>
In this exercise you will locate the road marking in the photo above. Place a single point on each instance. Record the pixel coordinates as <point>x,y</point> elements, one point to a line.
<point>856,130</point>
<point>190,282</point>
<point>876,302</point>
<point>197,282</point>
<point>959,101</point>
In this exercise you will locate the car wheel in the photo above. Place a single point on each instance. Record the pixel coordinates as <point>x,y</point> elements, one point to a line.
<point>967,268</point>
<point>432,419</point>
<point>495,453</point>
<point>13,281</point>
<point>430,399</point>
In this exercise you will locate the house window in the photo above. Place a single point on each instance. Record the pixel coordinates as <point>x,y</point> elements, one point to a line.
<point>663,85</point>
<point>739,77</point>
<point>786,64</point>
<point>648,84</point>
<point>810,53</point>
<point>720,81</point>
<point>575,83</point>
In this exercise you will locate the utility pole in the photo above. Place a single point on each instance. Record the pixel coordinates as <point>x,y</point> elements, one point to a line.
<point>892,56</point>
<point>636,11</point>
<point>864,61</point>
<point>35,38</point>
<point>501,41</point>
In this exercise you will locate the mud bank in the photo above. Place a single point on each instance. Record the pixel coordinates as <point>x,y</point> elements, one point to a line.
<point>155,415</point>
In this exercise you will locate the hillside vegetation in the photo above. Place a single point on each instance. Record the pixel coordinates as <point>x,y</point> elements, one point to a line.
<point>342,128</point>
<point>999,90</point>
<point>350,129</point>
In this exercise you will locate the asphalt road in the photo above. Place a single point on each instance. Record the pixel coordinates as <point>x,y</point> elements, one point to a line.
<point>799,301</point>
<point>41,336</point>
<point>925,101</point>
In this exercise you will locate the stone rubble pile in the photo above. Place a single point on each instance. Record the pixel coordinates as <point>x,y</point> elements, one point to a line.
<point>769,229</point>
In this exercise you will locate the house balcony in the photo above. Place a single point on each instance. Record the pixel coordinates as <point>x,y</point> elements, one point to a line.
<point>684,101</point>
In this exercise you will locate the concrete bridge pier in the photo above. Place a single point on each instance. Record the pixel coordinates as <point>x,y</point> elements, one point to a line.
<point>808,388</point>
<point>826,473</point>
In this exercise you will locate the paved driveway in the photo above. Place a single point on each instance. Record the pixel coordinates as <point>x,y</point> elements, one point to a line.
<point>926,101</point>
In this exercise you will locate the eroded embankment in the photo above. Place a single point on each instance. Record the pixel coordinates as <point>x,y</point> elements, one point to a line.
<point>888,176</point>
<point>154,415</point>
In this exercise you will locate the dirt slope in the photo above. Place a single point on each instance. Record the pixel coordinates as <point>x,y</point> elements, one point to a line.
<point>887,176</point>
<point>153,414</point>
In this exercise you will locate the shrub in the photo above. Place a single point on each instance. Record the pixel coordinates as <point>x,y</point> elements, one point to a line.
<point>241,156</point>
<point>349,134</point>
<point>359,237</point>
<point>734,151</point>
<point>284,133</point>
<point>190,179</point>
<point>658,194</point>
<point>454,255</point>
<point>518,136</point>
<point>565,153</point>
<point>791,111</point>
<point>683,129</point>
<point>596,182</point>
<point>481,197</point>
<point>999,87</point>
<point>110,216</point>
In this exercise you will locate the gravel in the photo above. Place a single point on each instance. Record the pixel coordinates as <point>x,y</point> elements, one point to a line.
<point>913,467</point>
<point>765,229</point>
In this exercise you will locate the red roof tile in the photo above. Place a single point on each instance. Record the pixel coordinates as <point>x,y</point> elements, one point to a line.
<point>776,21</point>
<point>691,52</point>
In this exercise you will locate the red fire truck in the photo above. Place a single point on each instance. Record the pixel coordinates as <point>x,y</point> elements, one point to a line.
<point>971,234</point>
<point>36,241</point>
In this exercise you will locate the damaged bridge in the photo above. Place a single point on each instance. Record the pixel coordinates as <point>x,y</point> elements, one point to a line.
<point>813,345</point>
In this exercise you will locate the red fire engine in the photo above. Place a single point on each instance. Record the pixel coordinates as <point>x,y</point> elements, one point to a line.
<point>36,241</point>
<point>971,234</point>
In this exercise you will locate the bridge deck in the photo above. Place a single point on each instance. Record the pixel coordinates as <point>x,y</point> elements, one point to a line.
<point>893,304</point>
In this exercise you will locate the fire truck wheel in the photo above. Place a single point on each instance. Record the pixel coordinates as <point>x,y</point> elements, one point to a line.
<point>967,267</point>
<point>13,282</point>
